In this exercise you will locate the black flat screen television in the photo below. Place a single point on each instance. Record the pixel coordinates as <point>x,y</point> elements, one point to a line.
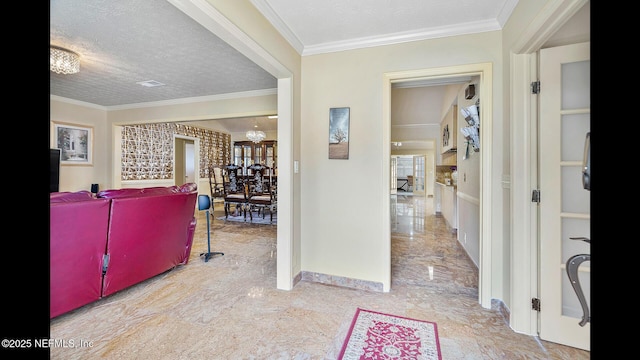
<point>54,170</point>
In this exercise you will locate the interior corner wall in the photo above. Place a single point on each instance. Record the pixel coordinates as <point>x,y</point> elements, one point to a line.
<point>245,16</point>
<point>76,177</point>
<point>339,238</point>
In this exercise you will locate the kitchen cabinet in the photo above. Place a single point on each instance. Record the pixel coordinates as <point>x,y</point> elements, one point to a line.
<point>449,131</point>
<point>449,205</point>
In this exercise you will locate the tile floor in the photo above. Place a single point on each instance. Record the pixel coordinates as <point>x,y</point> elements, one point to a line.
<point>229,307</point>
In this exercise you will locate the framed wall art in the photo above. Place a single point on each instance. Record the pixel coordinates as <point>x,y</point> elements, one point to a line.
<point>75,143</point>
<point>339,133</point>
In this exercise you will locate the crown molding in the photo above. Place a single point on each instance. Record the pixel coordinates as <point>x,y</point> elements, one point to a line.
<point>77,102</point>
<point>414,125</point>
<point>191,100</point>
<point>280,25</point>
<point>401,37</point>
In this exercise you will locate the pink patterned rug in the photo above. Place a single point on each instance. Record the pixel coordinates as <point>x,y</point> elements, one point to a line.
<point>375,335</point>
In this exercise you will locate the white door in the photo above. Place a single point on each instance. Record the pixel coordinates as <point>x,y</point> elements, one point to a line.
<point>394,175</point>
<point>419,172</point>
<point>189,171</point>
<point>430,174</point>
<point>564,207</point>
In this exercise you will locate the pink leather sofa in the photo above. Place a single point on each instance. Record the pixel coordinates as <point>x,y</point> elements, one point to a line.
<point>101,245</point>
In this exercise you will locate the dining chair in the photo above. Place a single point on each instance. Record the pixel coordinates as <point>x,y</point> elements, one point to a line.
<point>262,194</point>
<point>216,185</point>
<point>235,190</point>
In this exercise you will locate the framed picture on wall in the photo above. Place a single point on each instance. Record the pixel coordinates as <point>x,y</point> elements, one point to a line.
<point>339,133</point>
<point>75,143</point>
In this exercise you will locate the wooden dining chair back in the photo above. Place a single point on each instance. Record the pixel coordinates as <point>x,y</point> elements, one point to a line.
<point>216,185</point>
<point>262,194</point>
<point>235,191</point>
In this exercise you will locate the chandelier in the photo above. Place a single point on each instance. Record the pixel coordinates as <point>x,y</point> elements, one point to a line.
<point>63,61</point>
<point>256,135</point>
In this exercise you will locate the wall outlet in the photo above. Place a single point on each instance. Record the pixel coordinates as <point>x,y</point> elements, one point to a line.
<point>465,238</point>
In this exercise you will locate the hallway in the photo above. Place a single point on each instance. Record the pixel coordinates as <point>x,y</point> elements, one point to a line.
<point>423,251</point>
<point>229,307</point>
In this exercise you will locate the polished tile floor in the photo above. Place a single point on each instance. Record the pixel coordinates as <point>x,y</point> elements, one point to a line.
<point>229,307</point>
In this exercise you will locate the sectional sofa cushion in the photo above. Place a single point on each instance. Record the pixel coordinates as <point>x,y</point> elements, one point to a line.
<point>121,193</point>
<point>66,196</point>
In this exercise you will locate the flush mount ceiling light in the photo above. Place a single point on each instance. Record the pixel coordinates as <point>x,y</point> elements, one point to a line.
<point>256,135</point>
<point>63,61</point>
<point>150,83</point>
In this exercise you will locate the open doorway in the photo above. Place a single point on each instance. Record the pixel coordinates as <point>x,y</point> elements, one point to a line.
<point>186,159</point>
<point>411,173</point>
<point>484,74</point>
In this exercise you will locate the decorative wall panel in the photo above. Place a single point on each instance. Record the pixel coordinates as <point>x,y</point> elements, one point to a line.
<point>147,150</point>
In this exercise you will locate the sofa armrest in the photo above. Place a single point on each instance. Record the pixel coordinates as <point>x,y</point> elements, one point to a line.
<point>77,239</point>
<point>190,233</point>
<point>188,187</point>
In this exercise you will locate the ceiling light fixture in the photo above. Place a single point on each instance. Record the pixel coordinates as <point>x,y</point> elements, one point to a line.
<point>256,135</point>
<point>63,61</point>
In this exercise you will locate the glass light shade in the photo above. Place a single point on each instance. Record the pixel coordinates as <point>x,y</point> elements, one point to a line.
<point>256,136</point>
<point>63,61</point>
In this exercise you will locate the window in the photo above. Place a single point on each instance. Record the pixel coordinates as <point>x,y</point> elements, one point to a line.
<point>405,166</point>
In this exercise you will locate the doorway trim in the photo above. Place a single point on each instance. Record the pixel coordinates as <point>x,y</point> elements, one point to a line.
<point>523,161</point>
<point>485,73</point>
<point>181,140</point>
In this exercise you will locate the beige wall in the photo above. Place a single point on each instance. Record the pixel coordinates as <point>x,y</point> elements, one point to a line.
<point>342,230</point>
<point>75,177</point>
<point>410,106</point>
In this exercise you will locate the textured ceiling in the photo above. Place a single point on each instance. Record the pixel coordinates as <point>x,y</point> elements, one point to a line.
<point>123,42</point>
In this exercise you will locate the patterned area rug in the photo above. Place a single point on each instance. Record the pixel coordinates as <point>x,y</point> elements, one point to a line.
<point>375,335</point>
<point>257,219</point>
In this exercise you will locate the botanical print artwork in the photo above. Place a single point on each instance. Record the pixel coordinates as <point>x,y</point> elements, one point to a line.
<point>339,133</point>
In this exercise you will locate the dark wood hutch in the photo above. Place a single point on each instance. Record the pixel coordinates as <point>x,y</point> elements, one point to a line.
<point>247,153</point>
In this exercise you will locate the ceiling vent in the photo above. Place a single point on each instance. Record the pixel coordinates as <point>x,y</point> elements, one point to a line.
<point>150,83</point>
